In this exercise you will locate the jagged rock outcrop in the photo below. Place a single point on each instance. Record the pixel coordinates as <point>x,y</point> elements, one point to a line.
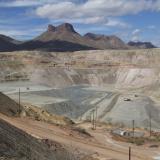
<point>51,28</point>
<point>65,27</point>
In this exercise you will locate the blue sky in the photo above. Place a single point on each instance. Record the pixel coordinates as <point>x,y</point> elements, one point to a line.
<point>137,20</point>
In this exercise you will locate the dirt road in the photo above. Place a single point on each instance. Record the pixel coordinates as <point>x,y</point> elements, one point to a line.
<point>44,130</point>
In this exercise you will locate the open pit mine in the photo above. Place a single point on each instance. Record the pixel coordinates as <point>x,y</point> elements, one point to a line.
<point>49,100</point>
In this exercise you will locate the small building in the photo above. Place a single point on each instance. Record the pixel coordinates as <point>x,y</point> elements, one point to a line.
<point>119,132</point>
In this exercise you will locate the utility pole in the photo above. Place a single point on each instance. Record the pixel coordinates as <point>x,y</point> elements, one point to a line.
<point>150,123</point>
<point>96,119</point>
<point>90,117</point>
<point>133,127</point>
<point>129,153</point>
<point>93,122</point>
<point>19,101</point>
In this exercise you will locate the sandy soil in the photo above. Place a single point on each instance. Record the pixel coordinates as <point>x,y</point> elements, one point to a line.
<point>101,145</point>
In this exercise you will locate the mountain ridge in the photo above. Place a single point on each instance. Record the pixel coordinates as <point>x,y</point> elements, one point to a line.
<point>141,45</point>
<point>66,32</point>
<point>65,38</point>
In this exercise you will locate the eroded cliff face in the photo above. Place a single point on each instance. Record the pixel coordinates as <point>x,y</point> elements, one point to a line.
<point>121,69</point>
<point>18,145</point>
<point>121,78</point>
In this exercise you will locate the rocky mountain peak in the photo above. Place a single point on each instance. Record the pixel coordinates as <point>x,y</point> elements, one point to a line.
<point>94,36</point>
<point>90,35</point>
<point>51,28</point>
<point>65,27</point>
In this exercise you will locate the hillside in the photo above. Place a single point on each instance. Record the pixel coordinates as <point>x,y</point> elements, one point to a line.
<point>105,42</point>
<point>53,45</point>
<point>11,108</point>
<point>8,106</point>
<point>7,44</point>
<point>16,144</point>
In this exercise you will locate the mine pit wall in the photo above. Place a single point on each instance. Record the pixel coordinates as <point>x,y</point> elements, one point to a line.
<point>67,77</point>
<point>15,143</point>
<point>117,77</point>
<point>118,68</point>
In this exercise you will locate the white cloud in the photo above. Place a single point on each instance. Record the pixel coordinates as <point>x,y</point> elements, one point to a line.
<point>136,31</point>
<point>96,8</point>
<point>61,10</point>
<point>88,12</point>
<point>24,3</point>
<point>94,20</point>
<point>136,35</point>
<point>117,23</point>
<point>22,33</point>
<point>18,3</point>
<point>96,11</point>
<point>87,20</point>
<point>13,32</point>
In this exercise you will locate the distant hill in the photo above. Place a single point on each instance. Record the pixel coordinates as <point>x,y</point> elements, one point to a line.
<point>7,43</point>
<point>141,45</point>
<point>105,42</point>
